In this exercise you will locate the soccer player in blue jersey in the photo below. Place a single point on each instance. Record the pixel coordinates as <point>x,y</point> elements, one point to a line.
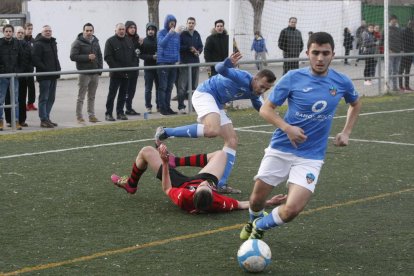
<point>209,100</point>
<point>297,147</point>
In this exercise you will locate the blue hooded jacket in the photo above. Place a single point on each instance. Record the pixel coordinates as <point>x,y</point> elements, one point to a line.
<point>168,47</point>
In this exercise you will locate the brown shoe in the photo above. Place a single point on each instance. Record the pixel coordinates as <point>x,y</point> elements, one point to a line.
<point>228,190</point>
<point>1,125</point>
<point>46,124</point>
<point>24,124</point>
<point>18,126</point>
<point>93,119</point>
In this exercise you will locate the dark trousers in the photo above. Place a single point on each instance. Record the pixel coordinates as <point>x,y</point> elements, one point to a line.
<point>114,85</point>
<point>132,87</point>
<point>166,79</point>
<point>405,68</point>
<point>22,107</point>
<point>183,86</point>
<point>346,54</point>
<point>151,77</point>
<point>369,70</point>
<point>27,86</point>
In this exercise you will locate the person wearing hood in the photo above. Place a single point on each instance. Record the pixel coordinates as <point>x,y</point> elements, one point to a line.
<point>87,54</point>
<point>291,43</point>
<point>131,32</point>
<point>217,45</point>
<point>168,53</point>
<point>149,55</point>
<point>45,59</point>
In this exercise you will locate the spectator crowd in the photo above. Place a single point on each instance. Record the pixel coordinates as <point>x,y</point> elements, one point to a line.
<point>22,52</point>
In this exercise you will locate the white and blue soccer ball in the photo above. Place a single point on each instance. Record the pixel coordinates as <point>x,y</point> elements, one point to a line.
<point>254,255</point>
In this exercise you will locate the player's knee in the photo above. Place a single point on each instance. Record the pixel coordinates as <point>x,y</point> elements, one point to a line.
<point>146,151</point>
<point>289,212</point>
<point>211,131</point>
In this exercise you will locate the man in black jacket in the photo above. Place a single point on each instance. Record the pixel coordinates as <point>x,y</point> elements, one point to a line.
<point>149,55</point>
<point>45,59</point>
<point>119,52</point>
<point>87,54</point>
<point>291,43</point>
<point>131,33</point>
<point>11,61</point>
<point>217,45</point>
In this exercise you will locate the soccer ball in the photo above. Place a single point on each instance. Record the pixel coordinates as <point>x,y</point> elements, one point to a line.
<point>254,255</point>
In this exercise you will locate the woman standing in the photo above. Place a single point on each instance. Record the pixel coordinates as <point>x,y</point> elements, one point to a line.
<point>348,40</point>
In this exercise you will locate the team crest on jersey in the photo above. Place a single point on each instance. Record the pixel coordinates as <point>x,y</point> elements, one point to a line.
<point>332,90</point>
<point>310,178</point>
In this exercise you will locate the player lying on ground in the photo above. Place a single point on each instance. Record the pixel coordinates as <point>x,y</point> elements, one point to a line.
<point>209,99</point>
<point>194,194</point>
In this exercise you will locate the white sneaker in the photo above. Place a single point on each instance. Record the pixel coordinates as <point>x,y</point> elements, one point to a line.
<point>182,111</point>
<point>149,110</point>
<point>367,82</point>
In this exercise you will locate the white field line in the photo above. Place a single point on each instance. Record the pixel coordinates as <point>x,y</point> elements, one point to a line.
<point>338,117</point>
<point>356,140</point>
<point>76,148</point>
<point>238,129</point>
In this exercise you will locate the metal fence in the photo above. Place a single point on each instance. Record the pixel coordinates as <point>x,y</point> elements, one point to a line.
<point>380,87</point>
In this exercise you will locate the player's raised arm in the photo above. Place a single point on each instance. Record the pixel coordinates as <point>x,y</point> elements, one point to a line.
<point>166,180</point>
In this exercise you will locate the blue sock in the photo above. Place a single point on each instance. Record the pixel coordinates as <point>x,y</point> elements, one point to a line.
<point>270,221</point>
<point>254,215</point>
<point>231,158</point>
<point>189,131</point>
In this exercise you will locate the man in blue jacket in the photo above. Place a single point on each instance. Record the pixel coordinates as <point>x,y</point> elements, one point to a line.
<point>209,99</point>
<point>168,53</point>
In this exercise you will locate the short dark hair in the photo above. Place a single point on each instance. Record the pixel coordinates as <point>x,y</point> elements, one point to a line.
<point>393,16</point>
<point>321,38</point>
<point>203,198</point>
<point>8,26</point>
<point>27,25</point>
<point>191,18</point>
<point>270,76</point>
<point>88,25</point>
<point>218,21</point>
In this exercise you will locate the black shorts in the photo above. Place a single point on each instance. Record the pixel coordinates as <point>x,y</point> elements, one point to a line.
<point>178,179</point>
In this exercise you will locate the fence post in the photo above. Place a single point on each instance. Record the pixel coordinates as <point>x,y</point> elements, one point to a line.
<point>190,87</point>
<point>379,76</point>
<point>13,103</point>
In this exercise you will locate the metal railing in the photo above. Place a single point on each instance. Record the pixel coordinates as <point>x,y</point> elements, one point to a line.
<point>12,76</point>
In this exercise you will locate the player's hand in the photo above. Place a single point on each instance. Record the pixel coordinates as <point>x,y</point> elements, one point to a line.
<point>163,151</point>
<point>277,200</point>
<point>296,135</point>
<point>341,140</point>
<point>235,57</point>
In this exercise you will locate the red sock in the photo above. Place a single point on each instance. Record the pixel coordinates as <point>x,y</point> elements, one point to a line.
<point>195,160</point>
<point>135,176</point>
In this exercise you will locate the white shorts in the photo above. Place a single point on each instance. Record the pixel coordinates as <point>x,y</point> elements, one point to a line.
<point>204,104</point>
<point>277,167</point>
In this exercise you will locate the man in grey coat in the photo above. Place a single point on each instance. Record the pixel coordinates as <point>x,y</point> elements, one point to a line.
<point>86,52</point>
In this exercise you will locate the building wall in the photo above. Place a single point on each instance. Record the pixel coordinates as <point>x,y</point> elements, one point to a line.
<point>67,18</point>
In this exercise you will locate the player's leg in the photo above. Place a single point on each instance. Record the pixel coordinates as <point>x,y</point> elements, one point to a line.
<point>216,163</point>
<point>146,156</point>
<point>302,180</point>
<point>274,169</point>
<point>230,145</point>
<point>208,114</point>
